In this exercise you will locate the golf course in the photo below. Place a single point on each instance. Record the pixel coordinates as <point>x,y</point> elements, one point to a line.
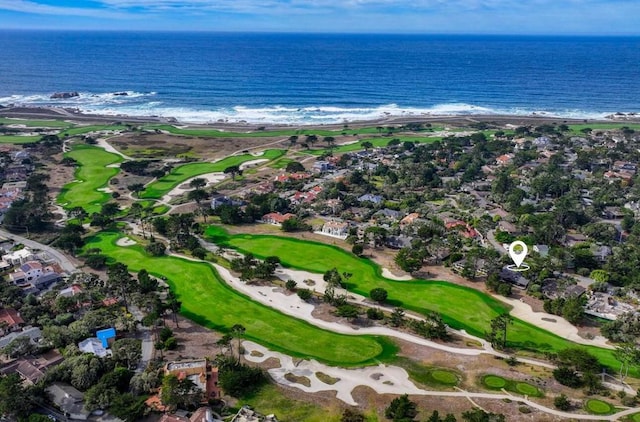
<point>180,174</point>
<point>92,174</point>
<point>208,300</point>
<point>453,302</point>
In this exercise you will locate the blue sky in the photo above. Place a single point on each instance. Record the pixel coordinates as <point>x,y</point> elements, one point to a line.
<point>594,17</point>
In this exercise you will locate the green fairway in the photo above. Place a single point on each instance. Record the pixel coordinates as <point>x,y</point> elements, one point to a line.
<point>91,175</point>
<point>36,123</point>
<point>208,300</point>
<point>16,139</point>
<point>185,172</point>
<point>603,126</point>
<point>213,133</point>
<point>80,130</point>
<point>460,307</point>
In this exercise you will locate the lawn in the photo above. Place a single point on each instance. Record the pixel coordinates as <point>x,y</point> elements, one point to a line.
<point>460,307</point>
<point>79,130</point>
<point>185,172</point>
<point>209,301</point>
<point>91,175</point>
<point>17,139</point>
<point>603,126</point>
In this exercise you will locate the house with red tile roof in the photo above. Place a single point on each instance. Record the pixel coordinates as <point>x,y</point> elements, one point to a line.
<point>10,320</point>
<point>276,218</point>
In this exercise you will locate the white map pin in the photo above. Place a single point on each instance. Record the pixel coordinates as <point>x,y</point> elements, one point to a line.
<point>518,251</point>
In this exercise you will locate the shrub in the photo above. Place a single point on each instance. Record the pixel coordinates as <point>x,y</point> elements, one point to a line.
<point>562,402</point>
<point>375,313</point>
<point>291,285</point>
<point>378,294</point>
<point>304,294</point>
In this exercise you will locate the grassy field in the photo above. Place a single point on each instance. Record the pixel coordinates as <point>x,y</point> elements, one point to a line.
<point>603,126</point>
<point>36,123</point>
<point>16,139</point>
<point>91,175</point>
<point>460,307</point>
<point>207,300</point>
<point>80,130</point>
<point>213,133</point>
<point>184,172</point>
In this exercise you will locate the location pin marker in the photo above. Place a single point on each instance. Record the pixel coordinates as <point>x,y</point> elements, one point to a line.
<point>518,251</point>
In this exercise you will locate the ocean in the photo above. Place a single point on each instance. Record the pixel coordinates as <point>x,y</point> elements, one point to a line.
<point>319,78</point>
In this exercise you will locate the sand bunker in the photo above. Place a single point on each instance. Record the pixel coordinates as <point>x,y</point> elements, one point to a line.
<point>125,241</point>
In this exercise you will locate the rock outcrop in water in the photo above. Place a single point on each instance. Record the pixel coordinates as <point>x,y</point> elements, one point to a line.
<point>63,95</point>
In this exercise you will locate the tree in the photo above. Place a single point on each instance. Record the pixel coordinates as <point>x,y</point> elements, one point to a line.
<point>333,277</point>
<point>294,167</point>
<point>561,402</point>
<point>155,248</point>
<point>498,335</point>
<point>304,294</point>
<point>352,416</point>
<point>573,311</point>
<point>239,380</point>
<point>121,281</point>
<point>181,393</point>
<point>375,313</point>
<point>127,351</point>
<point>409,260</point>
<point>232,170</point>
<point>14,399</point>
<point>238,331</point>
<point>136,188</point>
<point>378,294</point>
<point>357,249</point>
<point>347,311</point>
<point>198,183</point>
<point>479,415</point>
<point>628,355</point>
<point>290,285</point>
<point>397,317</point>
<point>401,409</point>
<point>174,305</point>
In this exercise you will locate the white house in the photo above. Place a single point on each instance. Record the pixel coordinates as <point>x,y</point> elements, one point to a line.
<point>18,257</point>
<point>94,346</point>
<point>336,229</point>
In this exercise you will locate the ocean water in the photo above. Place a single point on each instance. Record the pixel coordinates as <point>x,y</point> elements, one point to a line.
<point>305,78</point>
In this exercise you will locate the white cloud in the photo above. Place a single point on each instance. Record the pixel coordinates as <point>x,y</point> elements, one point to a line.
<point>33,7</point>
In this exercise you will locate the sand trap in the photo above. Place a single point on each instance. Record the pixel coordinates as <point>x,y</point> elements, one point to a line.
<point>105,190</point>
<point>258,153</point>
<point>125,241</point>
<point>102,142</point>
<point>386,273</point>
<point>210,179</point>
<point>251,163</point>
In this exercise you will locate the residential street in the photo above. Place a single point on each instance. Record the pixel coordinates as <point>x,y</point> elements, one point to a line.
<point>68,264</point>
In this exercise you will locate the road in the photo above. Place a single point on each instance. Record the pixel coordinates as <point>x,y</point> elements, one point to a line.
<point>67,264</point>
<point>144,334</point>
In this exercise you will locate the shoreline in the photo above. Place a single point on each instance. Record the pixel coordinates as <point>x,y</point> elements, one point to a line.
<point>61,113</point>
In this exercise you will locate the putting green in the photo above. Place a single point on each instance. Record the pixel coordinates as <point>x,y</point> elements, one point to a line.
<point>209,301</point>
<point>444,377</point>
<point>527,389</point>
<point>460,307</point>
<point>598,407</point>
<point>185,172</point>
<point>92,174</point>
<point>494,382</point>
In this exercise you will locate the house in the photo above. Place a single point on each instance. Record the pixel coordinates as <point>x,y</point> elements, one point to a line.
<point>504,159</point>
<point>388,213</point>
<point>601,252</point>
<point>246,414</point>
<point>409,219</point>
<point>94,346</point>
<point>322,166</point>
<point>514,278</point>
<point>613,213</point>
<point>46,280</point>
<point>398,242</point>
<point>374,199</point>
<point>70,291</point>
<point>68,400</point>
<point>573,239</point>
<point>336,229</point>
<point>18,257</point>
<point>480,267</point>
<point>28,271</point>
<point>203,375</point>
<point>465,229</point>
<point>543,250</point>
<point>32,370</point>
<point>203,414</point>
<point>219,200</point>
<point>32,333</point>
<point>507,227</point>
<point>106,336</point>
<point>276,218</point>
<point>10,320</point>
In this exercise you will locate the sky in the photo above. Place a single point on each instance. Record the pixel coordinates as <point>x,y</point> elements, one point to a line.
<point>535,17</point>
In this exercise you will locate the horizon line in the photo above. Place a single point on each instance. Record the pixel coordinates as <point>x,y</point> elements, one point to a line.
<point>208,31</point>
